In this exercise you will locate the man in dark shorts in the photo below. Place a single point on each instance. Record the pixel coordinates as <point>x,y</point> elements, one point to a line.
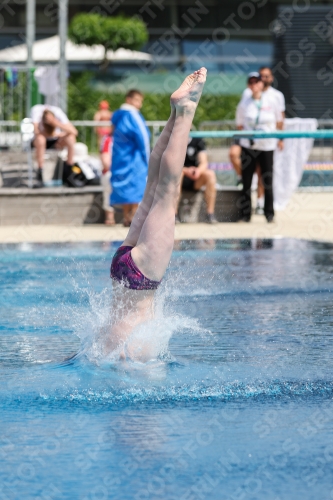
<point>52,130</point>
<point>197,175</point>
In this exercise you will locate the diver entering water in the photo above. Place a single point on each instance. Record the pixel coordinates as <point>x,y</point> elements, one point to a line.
<point>140,262</point>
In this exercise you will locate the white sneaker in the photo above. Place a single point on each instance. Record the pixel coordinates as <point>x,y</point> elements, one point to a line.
<point>259,210</point>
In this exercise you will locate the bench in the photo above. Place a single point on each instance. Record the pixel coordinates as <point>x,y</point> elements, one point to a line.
<point>192,207</point>
<point>77,206</point>
<point>60,205</point>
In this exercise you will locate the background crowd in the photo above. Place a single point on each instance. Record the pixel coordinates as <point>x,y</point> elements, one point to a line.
<point>125,148</point>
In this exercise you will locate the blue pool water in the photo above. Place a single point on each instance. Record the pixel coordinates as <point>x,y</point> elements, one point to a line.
<point>237,404</point>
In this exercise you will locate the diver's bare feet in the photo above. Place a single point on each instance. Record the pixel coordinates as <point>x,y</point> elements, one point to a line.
<point>189,93</point>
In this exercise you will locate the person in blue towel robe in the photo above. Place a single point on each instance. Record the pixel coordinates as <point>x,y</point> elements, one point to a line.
<point>130,155</point>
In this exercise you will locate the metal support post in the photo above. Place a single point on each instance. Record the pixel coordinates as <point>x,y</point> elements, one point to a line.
<point>63,70</point>
<point>30,35</point>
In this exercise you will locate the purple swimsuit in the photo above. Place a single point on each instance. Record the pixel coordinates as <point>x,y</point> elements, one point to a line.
<point>124,270</point>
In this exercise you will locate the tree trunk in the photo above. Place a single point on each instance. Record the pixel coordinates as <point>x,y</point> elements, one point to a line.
<point>105,62</point>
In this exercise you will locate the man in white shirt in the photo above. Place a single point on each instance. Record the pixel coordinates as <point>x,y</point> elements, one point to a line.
<point>52,130</point>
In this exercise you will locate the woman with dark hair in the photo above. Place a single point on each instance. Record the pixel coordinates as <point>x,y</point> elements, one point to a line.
<point>259,111</point>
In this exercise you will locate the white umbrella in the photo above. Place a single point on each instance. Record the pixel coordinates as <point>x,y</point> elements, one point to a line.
<point>48,50</point>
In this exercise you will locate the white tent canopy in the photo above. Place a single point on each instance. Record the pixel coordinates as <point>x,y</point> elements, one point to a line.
<point>48,51</point>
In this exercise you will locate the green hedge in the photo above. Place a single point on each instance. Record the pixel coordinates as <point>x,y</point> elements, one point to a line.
<point>83,102</point>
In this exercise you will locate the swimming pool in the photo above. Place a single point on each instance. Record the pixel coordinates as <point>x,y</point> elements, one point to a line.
<point>238,405</point>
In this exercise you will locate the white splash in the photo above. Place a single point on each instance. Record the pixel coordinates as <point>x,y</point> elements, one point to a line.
<point>147,342</point>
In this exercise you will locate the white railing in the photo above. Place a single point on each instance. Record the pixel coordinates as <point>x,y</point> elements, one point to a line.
<point>10,129</point>
<point>231,124</point>
<point>10,136</point>
<point>10,132</point>
<point>83,127</point>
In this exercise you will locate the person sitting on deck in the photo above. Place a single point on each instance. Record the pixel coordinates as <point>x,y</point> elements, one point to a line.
<point>197,175</point>
<point>52,130</point>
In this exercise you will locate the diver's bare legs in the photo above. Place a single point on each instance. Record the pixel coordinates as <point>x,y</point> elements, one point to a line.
<point>153,173</point>
<point>155,162</point>
<point>155,243</point>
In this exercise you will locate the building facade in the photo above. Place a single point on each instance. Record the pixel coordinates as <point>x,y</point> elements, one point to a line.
<point>230,37</point>
<point>220,32</point>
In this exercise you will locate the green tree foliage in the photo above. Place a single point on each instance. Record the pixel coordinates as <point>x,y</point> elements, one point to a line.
<point>111,32</point>
<point>83,102</point>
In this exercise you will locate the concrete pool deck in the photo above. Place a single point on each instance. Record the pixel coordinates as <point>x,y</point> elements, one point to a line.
<point>309,216</point>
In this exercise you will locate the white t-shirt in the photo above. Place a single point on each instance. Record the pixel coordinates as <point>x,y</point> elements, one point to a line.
<point>37,111</point>
<point>269,110</point>
<point>279,96</point>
